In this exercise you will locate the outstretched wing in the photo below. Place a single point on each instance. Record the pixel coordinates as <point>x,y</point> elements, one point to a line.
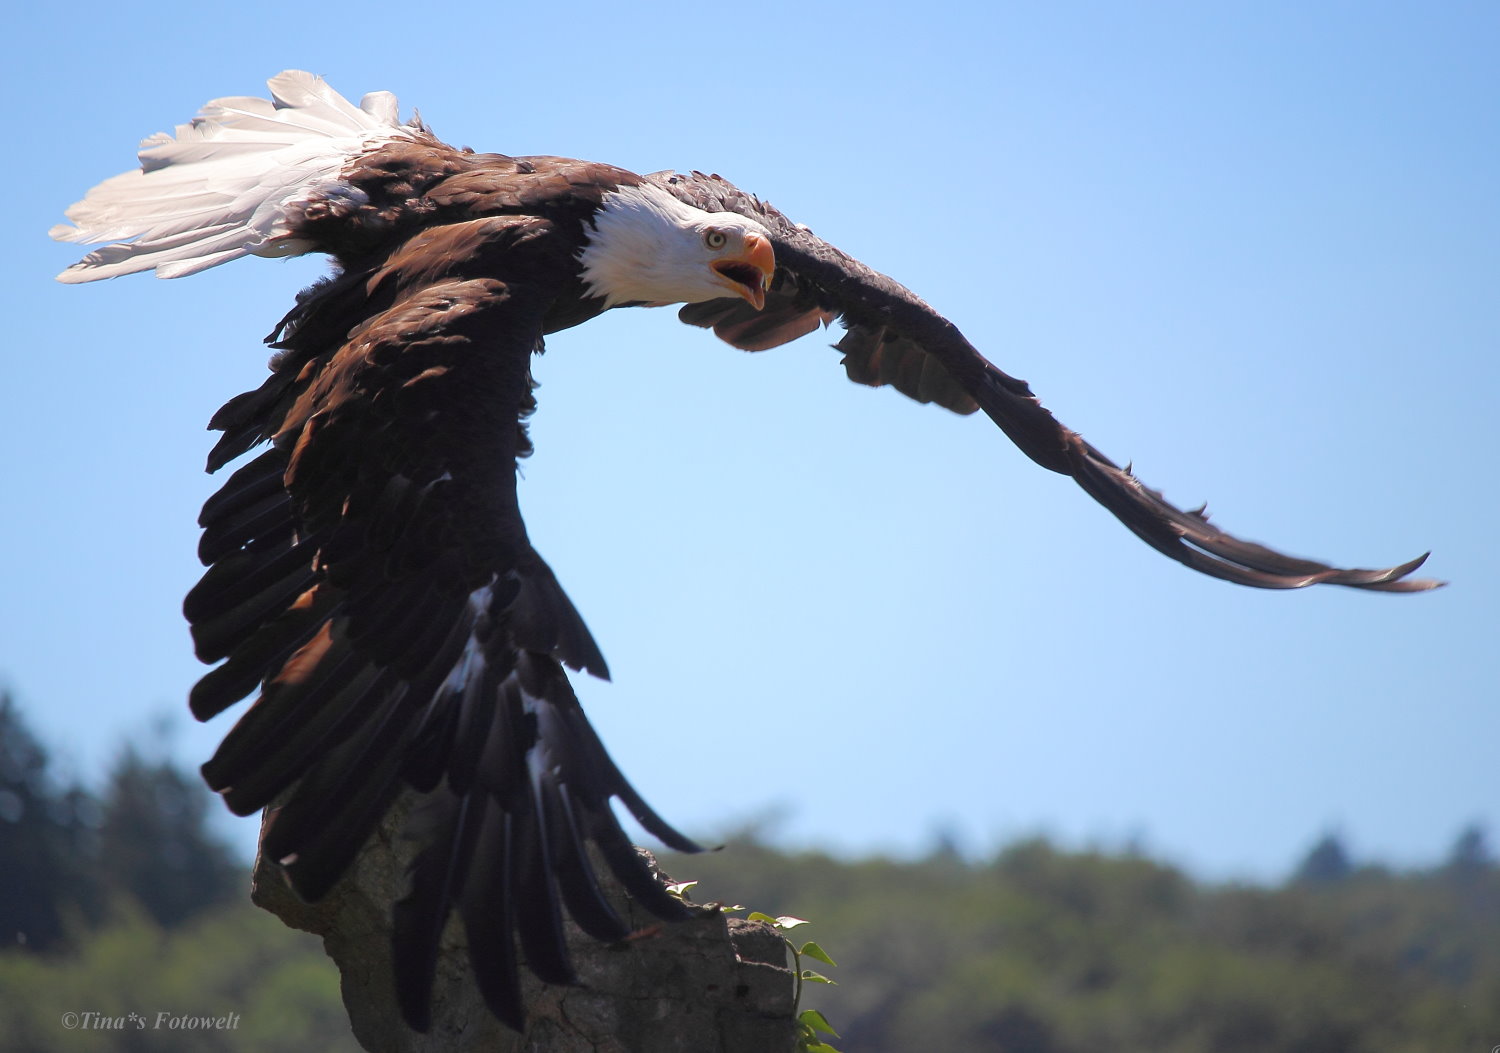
<point>894,338</point>
<point>371,576</point>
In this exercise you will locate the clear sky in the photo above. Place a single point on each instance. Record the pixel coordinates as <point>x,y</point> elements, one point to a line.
<point>1253,247</point>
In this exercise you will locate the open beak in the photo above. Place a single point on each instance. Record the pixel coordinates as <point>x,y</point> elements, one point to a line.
<point>749,273</point>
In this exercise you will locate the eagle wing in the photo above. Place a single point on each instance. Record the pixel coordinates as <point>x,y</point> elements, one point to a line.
<point>371,575</point>
<point>893,337</point>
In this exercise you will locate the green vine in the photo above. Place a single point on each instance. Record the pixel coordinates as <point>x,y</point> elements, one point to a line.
<point>809,1021</point>
<point>811,1024</point>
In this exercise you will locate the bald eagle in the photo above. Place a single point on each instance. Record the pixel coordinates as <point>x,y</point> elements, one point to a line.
<point>369,576</point>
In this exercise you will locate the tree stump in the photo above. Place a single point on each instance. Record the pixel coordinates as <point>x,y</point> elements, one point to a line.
<point>712,984</point>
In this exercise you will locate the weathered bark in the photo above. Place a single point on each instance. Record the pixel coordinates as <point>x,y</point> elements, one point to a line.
<point>709,985</point>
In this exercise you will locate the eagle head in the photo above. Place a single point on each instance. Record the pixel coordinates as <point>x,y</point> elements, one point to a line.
<point>648,247</point>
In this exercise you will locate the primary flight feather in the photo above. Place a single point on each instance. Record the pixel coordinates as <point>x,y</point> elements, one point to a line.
<point>370,578</point>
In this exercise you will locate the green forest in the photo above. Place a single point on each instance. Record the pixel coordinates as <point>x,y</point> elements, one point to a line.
<point>121,901</point>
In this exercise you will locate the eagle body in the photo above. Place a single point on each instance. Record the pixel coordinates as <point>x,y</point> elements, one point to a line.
<point>370,580</point>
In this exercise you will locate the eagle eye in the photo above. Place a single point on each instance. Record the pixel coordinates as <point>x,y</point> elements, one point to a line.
<point>715,239</point>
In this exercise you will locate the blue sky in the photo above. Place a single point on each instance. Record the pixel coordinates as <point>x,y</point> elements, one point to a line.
<point>1253,248</point>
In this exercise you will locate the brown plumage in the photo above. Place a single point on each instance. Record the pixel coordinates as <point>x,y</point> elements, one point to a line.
<point>369,573</point>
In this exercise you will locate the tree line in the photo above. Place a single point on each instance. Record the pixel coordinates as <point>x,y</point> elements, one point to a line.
<point>122,901</point>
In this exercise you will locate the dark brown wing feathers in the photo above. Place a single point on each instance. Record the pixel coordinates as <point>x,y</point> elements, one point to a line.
<point>895,338</point>
<point>791,311</point>
<point>369,573</point>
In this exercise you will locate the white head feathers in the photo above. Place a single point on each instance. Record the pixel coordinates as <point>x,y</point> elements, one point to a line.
<point>649,247</point>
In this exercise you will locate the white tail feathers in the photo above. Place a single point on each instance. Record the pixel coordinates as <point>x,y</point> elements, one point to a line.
<point>217,191</point>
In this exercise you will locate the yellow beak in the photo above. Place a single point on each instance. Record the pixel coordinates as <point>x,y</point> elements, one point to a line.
<point>749,272</point>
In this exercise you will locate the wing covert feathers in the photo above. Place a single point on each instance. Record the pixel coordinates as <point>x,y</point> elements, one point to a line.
<point>893,337</point>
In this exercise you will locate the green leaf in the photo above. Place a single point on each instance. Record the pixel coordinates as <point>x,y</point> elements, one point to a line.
<point>786,921</point>
<point>819,1047</point>
<point>812,950</point>
<point>814,1019</point>
<point>680,888</point>
<point>817,978</point>
<point>756,915</point>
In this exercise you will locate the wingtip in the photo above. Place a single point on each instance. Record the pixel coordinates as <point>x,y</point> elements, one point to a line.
<point>1398,581</point>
